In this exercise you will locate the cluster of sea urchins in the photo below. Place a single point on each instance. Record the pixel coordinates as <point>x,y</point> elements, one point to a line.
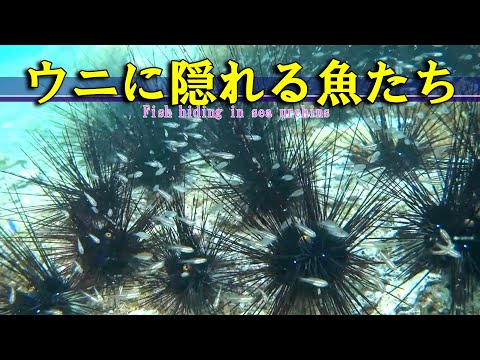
<point>244,215</point>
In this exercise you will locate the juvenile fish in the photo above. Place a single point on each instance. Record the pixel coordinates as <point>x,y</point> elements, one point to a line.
<point>179,188</point>
<point>195,261</point>
<point>90,199</point>
<point>160,171</point>
<point>172,125</point>
<point>266,236</point>
<point>142,235</point>
<point>222,165</point>
<point>223,155</point>
<point>80,248</point>
<point>187,222</point>
<point>164,220</point>
<point>122,158</point>
<point>191,126</point>
<point>253,137</point>
<point>183,249</point>
<point>296,193</point>
<point>95,239</point>
<point>314,281</point>
<point>169,213</point>
<point>215,208</point>
<point>164,195</point>
<point>143,256</point>
<point>122,178</point>
<point>135,175</point>
<point>375,156</point>
<point>194,135</point>
<point>154,164</point>
<point>305,230</point>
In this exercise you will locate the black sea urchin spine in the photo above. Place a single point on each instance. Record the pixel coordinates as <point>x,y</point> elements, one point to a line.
<point>257,164</point>
<point>305,258</point>
<point>95,222</point>
<point>192,268</point>
<point>402,138</point>
<point>31,283</point>
<point>440,228</point>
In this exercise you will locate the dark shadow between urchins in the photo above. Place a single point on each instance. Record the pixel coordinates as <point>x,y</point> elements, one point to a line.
<point>192,268</point>
<point>31,283</point>
<point>400,138</point>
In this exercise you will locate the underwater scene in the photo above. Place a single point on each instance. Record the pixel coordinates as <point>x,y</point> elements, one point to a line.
<point>240,180</point>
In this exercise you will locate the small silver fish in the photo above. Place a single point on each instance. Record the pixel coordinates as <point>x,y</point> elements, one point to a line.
<point>266,236</point>
<point>375,156</point>
<point>122,158</point>
<point>215,208</point>
<point>287,177</point>
<point>135,175</point>
<point>142,235</point>
<point>169,213</point>
<point>195,261</point>
<point>90,199</point>
<point>11,296</point>
<point>194,135</point>
<point>338,232</point>
<point>77,267</point>
<point>359,167</point>
<point>183,248</point>
<point>445,250</point>
<point>160,171</point>
<point>172,125</point>
<point>80,248</point>
<point>179,144</point>
<point>187,222</point>
<point>445,236</point>
<point>222,165</point>
<point>387,260</point>
<point>157,265</point>
<point>241,299</point>
<point>305,230</point>
<point>328,224</point>
<point>164,195</point>
<point>223,155</point>
<point>165,221</point>
<point>95,239</point>
<point>191,126</point>
<point>122,178</point>
<point>296,193</point>
<point>179,188</point>
<point>154,164</point>
<point>397,134</point>
<point>275,166</point>
<point>253,137</point>
<point>314,281</point>
<point>143,256</point>
<point>217,298</point>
